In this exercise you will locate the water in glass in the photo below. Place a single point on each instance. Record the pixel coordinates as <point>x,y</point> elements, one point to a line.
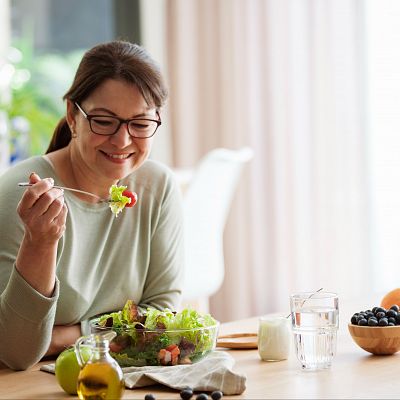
<point>314,328</point>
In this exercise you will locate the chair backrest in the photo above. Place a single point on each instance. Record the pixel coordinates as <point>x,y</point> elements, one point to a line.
<point>206,203</point>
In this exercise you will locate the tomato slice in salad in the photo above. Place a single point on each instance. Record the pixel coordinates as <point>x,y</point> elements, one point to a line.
<point>132,196</point>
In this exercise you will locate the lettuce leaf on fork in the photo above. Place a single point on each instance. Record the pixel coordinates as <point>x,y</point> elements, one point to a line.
<point>117,200</point>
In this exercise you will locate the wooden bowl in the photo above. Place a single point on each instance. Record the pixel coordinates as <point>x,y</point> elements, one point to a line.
<point>380,340</point>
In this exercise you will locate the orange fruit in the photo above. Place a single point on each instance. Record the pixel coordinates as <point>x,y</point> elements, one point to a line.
<point>391,298</point>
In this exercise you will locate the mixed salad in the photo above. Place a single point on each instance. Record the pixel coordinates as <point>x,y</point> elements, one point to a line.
<point>120,198</point>
<point>157,337</point>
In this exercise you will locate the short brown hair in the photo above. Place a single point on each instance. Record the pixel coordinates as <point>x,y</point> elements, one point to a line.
<point>112,60</point>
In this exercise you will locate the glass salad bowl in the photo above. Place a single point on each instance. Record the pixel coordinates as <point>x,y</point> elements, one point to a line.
<point>157,337</point>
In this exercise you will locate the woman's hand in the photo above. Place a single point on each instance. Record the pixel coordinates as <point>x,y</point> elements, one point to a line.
<point>63,337</point>
<point>43,213</point>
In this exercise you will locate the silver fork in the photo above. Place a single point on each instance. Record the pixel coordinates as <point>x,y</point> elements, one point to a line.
<point>99,199</point>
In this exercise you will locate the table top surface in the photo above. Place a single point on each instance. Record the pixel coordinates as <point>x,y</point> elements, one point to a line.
<point>354,374</point>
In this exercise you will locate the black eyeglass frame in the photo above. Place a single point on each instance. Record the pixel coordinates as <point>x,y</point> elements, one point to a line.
<point>121,121</point>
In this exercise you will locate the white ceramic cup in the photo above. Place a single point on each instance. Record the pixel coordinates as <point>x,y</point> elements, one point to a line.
<point>274,338</point>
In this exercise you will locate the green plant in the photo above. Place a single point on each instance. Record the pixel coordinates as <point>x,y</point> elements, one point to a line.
<point>37,86</point>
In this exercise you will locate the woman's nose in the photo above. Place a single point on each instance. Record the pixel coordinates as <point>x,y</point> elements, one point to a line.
<point>121,138</point>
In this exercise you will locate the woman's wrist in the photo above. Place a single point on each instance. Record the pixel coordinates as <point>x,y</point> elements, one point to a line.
<point>37,265</point>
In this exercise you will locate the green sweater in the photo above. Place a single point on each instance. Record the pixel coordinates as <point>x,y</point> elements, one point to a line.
<point>102,261</point>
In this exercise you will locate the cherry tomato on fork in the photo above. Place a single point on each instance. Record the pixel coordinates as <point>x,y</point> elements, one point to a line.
<point>132,196</point>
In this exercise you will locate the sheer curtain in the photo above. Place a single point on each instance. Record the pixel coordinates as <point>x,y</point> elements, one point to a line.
<point>286,78</point>
<point>383,77</point>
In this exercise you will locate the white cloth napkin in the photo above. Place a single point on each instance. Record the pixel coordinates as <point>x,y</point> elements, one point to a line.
<point>214,372</point>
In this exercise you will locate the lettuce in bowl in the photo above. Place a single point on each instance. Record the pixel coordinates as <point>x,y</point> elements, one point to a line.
<point>158,337</point>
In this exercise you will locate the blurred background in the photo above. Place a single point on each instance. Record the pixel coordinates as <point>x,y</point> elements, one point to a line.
<point>312,86</point>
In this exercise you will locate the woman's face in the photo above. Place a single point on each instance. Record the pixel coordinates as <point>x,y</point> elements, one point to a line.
<point>116,156</point>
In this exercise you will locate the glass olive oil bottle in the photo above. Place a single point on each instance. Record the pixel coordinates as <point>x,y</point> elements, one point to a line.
<point>101,378</point>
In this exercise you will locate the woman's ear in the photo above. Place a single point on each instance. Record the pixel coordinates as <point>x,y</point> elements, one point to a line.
<point>71,114</point>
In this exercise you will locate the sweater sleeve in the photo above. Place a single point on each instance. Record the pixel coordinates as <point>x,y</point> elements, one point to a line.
<point>26,322</point>
<point>26,317</point>
<point>163,282</point>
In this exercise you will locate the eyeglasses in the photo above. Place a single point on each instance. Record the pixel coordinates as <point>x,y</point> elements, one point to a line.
<point>141,128</point>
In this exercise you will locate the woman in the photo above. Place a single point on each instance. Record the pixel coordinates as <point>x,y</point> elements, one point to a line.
<point>64,257</point>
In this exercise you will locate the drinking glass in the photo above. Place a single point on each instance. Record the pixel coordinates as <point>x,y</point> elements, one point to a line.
<point>274,338</point>
<point>315,321</point>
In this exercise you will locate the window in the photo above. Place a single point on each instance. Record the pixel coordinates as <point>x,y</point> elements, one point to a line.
<point>48,39</point>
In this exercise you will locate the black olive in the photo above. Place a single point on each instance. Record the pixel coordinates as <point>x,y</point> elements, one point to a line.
<point>216,395</point>
<point>186,394</point>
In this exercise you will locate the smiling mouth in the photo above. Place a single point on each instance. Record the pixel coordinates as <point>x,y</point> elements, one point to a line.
<point>117,156</point>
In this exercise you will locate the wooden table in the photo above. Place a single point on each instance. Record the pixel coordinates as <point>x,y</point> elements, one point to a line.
<point>354,374</point>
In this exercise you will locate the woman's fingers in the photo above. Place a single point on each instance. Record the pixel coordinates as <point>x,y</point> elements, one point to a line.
<point>34,192</point>
<point>56,227</point>
<point>59,222</point>
<point>45,204</point>
<point>42,209</point>
<point>49,205</point>
<point>34,177</point>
